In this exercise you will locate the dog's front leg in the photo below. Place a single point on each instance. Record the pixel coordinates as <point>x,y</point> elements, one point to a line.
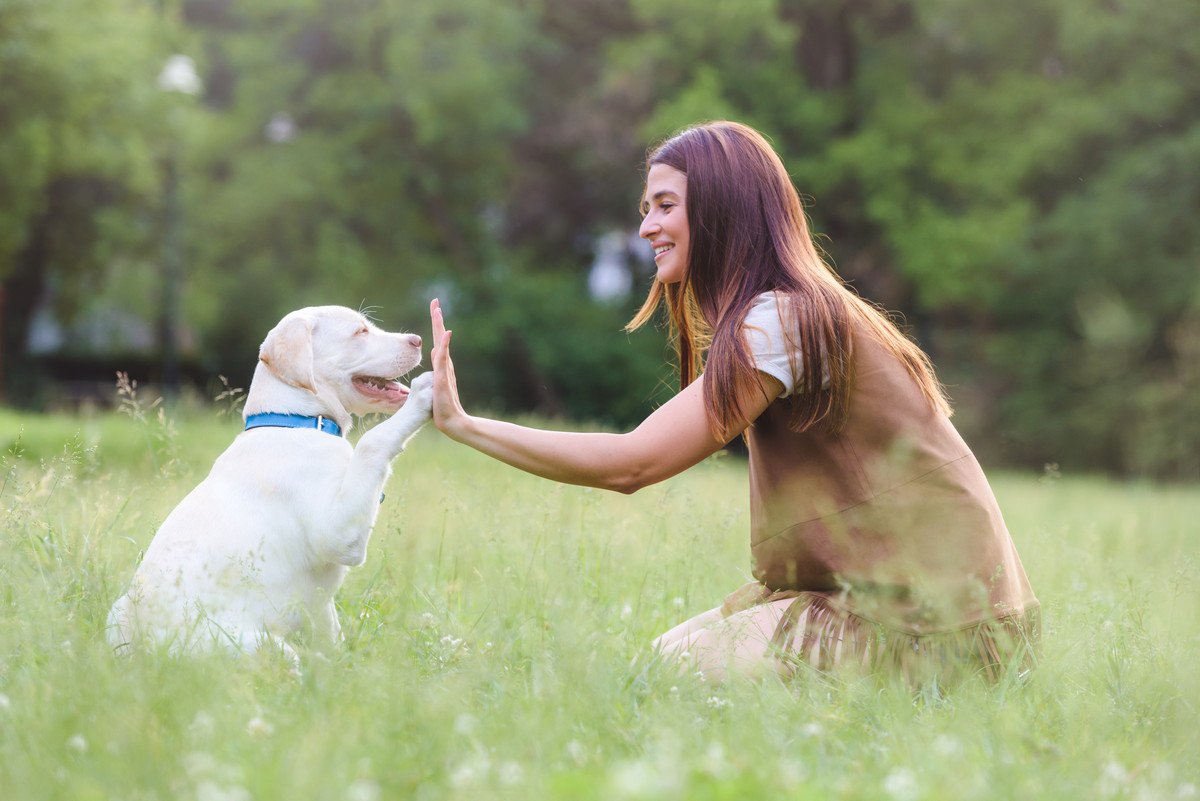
<point>356,504</point>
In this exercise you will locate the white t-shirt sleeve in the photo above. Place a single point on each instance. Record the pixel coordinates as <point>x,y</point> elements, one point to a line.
<point>769,348</point>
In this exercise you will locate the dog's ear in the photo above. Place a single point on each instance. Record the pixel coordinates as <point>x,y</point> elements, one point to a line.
<point>288,352</point>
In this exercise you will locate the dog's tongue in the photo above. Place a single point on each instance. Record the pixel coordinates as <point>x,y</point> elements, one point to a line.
<point>389,391</point>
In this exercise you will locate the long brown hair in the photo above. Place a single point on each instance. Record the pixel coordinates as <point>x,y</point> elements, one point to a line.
<point>749,235</point>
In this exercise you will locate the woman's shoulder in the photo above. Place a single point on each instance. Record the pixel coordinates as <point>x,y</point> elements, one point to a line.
<point>771,348</point>
<point>766,306</point>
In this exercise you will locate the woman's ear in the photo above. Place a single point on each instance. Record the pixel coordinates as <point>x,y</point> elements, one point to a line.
<point>288,352</point>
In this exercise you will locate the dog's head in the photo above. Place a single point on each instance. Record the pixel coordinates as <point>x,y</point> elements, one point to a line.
<point>338,354</point>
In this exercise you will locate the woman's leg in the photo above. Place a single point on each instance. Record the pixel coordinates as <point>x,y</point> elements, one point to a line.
<point>740,643</point>
<point>665,642</point>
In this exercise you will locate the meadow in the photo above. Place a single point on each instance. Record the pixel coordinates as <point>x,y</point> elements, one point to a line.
<point>496,646</point>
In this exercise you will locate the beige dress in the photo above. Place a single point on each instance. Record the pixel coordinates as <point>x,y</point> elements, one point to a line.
<point>887,534</point>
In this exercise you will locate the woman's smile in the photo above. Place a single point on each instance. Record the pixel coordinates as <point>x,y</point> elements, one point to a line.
<point>665,223</point>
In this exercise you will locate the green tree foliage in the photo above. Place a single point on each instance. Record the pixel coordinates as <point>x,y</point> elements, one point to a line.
<point>1018,179</point>
<point>1033,175</point>
<point>77,113</point>
<point>403,116</point>
<point>412,170</point>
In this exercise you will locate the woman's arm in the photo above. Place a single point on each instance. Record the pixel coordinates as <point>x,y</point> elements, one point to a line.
<point>672,439</point>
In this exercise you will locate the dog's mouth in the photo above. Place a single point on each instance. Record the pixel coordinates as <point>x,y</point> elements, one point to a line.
<point>381,389</point>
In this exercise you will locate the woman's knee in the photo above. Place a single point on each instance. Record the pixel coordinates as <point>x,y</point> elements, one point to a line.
<point>739,644</point>
<point>672,637</point>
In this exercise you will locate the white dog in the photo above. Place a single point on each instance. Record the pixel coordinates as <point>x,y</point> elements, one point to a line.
<point>258,549</point>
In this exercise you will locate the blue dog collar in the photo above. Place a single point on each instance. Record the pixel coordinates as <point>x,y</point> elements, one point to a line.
<point>272,420</point>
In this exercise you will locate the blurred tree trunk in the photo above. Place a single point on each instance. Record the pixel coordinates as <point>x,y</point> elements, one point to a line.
<point>827,50</point>
<point>20,293</point>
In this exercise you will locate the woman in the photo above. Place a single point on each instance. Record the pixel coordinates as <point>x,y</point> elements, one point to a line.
<point>876,540</point>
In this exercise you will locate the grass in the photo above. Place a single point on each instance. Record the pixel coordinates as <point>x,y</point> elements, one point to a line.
<point>496,642</point>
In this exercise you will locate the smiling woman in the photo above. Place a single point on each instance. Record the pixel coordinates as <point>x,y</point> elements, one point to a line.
<point>875,538</point>
<point>665,222</point>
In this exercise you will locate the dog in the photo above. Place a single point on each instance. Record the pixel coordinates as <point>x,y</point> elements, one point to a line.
<point>256,552</point>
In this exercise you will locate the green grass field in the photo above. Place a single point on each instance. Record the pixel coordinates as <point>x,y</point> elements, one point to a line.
<point>496,643</point>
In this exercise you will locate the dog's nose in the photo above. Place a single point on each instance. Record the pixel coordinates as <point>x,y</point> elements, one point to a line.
<point>414,340</point>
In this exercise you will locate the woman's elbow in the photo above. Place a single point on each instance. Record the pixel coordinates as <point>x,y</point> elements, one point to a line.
<point>624,487</point>
<point>630,481</point>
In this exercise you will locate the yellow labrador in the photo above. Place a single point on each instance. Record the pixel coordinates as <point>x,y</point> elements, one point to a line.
<point>258,549</point>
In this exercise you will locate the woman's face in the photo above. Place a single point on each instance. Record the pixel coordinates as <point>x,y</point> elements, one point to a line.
<point>664,221</point>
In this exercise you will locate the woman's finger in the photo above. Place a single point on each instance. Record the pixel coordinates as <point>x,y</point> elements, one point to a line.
<point>439,325</point>
<point>445,392</point>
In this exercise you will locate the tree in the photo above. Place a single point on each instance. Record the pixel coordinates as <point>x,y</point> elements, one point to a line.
<point>77,107</point>
<point>1028,170</point>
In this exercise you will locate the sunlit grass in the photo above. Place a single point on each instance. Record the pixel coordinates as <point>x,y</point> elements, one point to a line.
<point>496,643</point>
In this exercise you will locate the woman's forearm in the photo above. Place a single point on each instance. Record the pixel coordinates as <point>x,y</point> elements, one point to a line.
<point>589,459</point>
<point>673,438</point>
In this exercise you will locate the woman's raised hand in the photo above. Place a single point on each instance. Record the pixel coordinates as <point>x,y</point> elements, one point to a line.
<point>447,410</point>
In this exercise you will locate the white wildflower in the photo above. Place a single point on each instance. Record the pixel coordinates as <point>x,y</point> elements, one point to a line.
<point>76,742</point>
<point>465,725</point>
<point>792,772</point>
<point>716,702</point>
<point>577,752</point>
<point>223,777</point>
<point>5,703</point>
<point>677,602</point>
<point>428,620</point>
<point>258,727</point>
<point>947,746</point>
<point>212,791</point>
<point>1113,779</point>
<point>364,790</point>
<point>511,773</point>
<point>202,726</point>
<point>643,779</point>
<point>716,764</point>
<point>901,785</point>
<point>451,643</point>
<point>813,729</point>
<point>626,612</point>
<point>472,771</point>
<point>199,764</point>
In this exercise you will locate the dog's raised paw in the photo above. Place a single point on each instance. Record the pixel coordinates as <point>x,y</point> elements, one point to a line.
<point>420,392</point>
<point>422,382</point>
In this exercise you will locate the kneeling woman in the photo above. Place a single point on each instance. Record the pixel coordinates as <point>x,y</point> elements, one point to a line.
<point>876,540</point>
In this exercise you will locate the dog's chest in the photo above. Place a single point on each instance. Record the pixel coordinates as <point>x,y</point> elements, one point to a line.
<point>285,458</point>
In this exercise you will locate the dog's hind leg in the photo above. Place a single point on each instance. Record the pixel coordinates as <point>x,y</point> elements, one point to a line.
<point>118,628</point>
<point>248,642</point>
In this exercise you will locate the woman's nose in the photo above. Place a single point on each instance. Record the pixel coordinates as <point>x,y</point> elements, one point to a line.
<point>648,229</point>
